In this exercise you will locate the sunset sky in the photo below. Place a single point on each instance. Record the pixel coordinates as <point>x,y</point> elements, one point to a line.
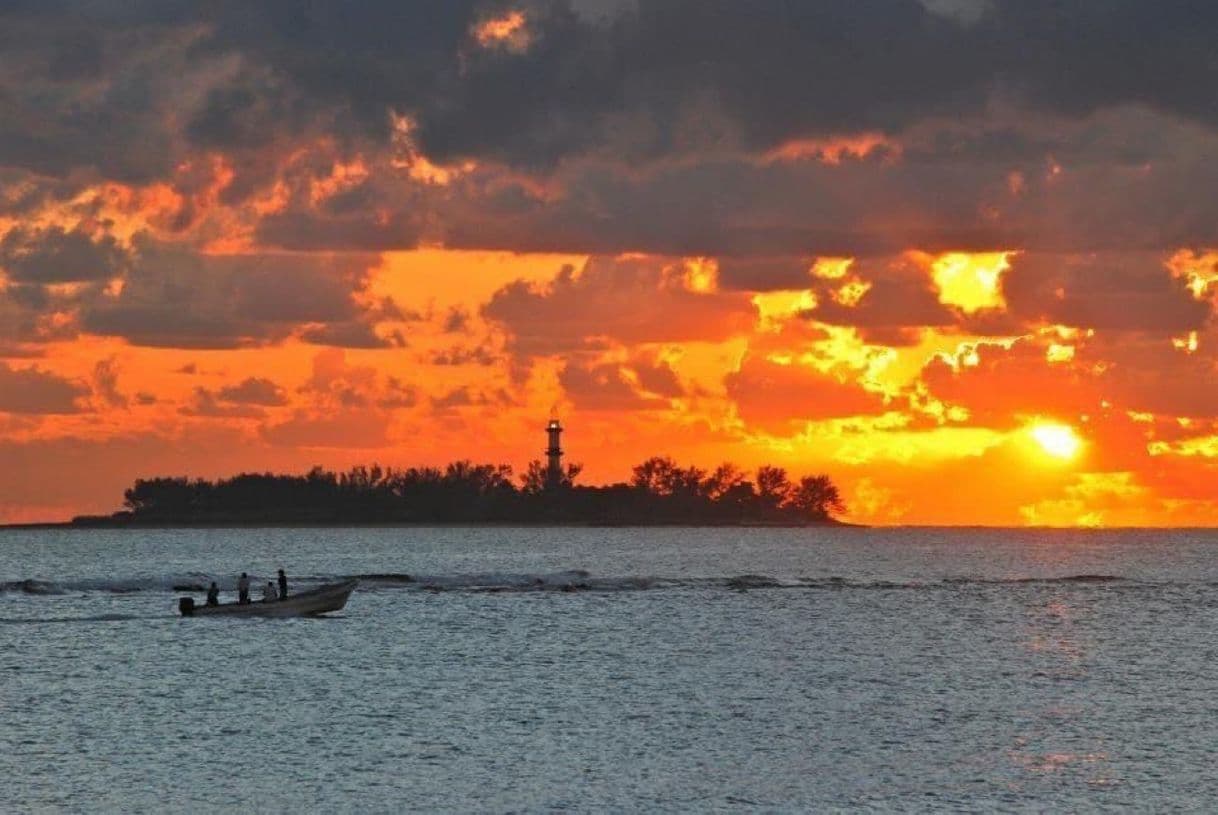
<point>961,255</point>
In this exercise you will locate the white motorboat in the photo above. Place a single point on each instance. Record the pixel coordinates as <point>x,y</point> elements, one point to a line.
<point>323,599</point>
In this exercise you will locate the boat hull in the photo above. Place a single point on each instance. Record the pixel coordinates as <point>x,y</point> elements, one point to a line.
<point>321,600</point>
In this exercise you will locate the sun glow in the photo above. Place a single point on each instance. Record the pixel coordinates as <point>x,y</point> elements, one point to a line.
<point>970,281</point>
<point>701,275</point>
<point>1057,440</point>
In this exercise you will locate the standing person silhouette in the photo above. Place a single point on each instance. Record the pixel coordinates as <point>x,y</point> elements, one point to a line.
<point>283,585</point>
<point>243,589</point>
<point>213,594</point>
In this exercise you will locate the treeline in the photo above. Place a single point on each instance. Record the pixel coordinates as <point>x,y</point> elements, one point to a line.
<point>659,492</point>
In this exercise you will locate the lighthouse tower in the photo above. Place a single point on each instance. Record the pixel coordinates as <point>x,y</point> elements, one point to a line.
<point>554,454</point>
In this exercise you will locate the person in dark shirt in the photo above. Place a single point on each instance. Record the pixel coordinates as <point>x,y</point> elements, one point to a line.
<point>213,594</point>
<point>283,585</point>
<point>243,589</point>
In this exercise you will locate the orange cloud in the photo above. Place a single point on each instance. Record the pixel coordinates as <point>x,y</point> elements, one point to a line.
<point>835,150</point>
<point>782,397</point>
<point>507,31</point>
<point>627,300</point>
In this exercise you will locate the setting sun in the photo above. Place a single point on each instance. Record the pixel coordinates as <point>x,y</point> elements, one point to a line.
<point>1058,440</point>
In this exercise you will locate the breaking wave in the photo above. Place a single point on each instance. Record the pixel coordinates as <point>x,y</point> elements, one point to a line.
<point>572,580</point>
<point>31,586</point>
<point>191,582</point>
<point>96,618</point>
<point>1073,578</point>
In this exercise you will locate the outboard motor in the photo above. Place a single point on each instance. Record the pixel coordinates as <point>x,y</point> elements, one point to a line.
<point>187,606</point>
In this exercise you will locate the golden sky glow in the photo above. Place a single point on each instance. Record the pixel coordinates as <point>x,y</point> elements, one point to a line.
<point>407,233</point>
<point>479,359</point>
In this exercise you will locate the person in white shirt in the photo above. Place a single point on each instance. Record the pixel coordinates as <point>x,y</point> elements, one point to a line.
<point>269,595</point>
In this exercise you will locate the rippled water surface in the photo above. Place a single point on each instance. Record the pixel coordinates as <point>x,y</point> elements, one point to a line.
<point>525,670</point>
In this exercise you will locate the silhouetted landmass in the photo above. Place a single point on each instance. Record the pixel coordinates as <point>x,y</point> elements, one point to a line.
<point>660,492</point>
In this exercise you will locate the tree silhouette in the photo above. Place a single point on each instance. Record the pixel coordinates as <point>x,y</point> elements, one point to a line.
<point>655,475</point>
<point>722,480</point>
<point>535,480</point>
<point>773,486</point>
<point>660,491</point>
<point>816,496</point>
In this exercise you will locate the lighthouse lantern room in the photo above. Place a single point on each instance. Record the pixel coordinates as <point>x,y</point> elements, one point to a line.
<point>554,453</point>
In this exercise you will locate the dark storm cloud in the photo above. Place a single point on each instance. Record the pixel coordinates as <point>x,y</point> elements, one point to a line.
<point>718,206</point>
<point>92,83</point>
<point>764,273</point>
<point>363,59</point>
<point>1120,180</point>
<point>1106,292</point>
<point>1079,56</point>
<point>361,232</point>
<point>648,126</point>
<point>55,255</point>
<point>87,85</point>
<point>772,71</point>
<point>249,111</point>
<point>900,295</point>
<point>177,298</point>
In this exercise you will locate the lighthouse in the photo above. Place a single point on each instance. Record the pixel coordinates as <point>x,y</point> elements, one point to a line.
<point>554,454</point>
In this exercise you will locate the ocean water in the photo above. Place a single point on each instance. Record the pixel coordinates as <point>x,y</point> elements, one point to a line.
<point>615,670</point>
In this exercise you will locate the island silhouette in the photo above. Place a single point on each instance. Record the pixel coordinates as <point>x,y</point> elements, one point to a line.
<point>660,492</point>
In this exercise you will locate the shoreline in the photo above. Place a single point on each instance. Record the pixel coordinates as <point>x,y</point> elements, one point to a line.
<point>38,525</point>
<point>103,524</point>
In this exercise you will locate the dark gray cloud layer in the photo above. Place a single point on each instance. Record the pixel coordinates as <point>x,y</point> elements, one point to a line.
<point>1041,125</point>
<point>657,79</point>
<point>177,298</point>
<point>55,255</point>
<point>773,71</point>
